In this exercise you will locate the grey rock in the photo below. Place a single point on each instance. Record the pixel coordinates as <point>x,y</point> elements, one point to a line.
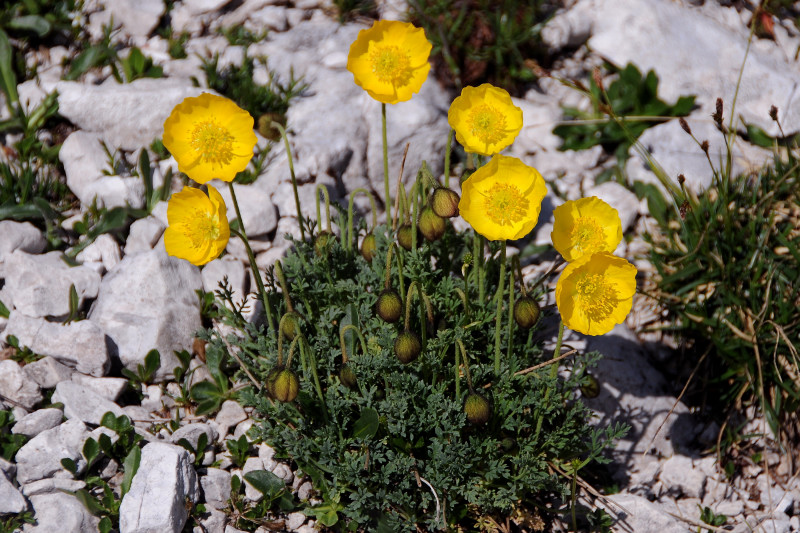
<point>104,250</point>
<point>47,372</point>
<point>11,501</point>
<point>192,432</point>
<point>304,491</point>
<point>216,271</point>
<point>126,116</point>
<point>20,236</point>
<point>294,521</point>
<point>776,525</point>
<point>40,284</point>
<point>15,386</point>
<point>712,40</point>
<point>41,456</point>
<point>60,512</point>
<point>644,517</point>
<point>620,198</point>
<point>138,17</point>
<point>82,403</point>
<point>7,467</point>
<point>216,484</point>
<point>678,153</point>
<point>212,521</point>
<point>109,388</point>
<point>157,498</point>
<point>148,301</point>
<point>55,484</point>
<point>82,344</point>
<point>230,414</point>
<point>284,472</point>
<point>258,213</point>
<point>243,427</point>
<point>38,421</point>
<point>144,234</point>
<point>680,477</point>
<point>267,454</point>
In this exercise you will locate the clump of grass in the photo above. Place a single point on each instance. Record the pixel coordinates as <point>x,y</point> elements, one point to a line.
<point>353,9</point>
<point>728,274</point>
<point>476,41</point>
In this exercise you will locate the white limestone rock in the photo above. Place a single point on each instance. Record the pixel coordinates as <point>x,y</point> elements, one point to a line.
<point>41,456</point>
<point>216,484</point>
<point>109,388</point>
<point>258,214</point>
<point>39,285</point>
<point>11,501</point>
<point>148,301</point>
<point>82,403</point>
<point>20,236</point>
<point>38,421</point>
<point>156,502</point>
<point>644,517</point>
<point>81,345</point>
<point>15,386</point>
<point>144,234</point>
<point>59,511</point>
<point>137,17</point>
<point>47,372</point>
<point>104,250</point>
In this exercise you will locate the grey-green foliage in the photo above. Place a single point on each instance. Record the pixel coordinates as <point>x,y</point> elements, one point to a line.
<point>364,447</point>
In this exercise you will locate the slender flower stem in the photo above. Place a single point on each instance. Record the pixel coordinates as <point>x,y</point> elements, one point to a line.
<point>294,179</point>
<point>510,312</point>
<point>401,284</point>
<point>415,208</point>
<point>324,189</point>
<point>307,352</point>
<point>409,296</point>
<point>553,375</point>
<point>498,317</point>
<point>458,373</point>
<point>284,286</point>
<point>344,330</point>
<point>388,199</point>
<point>242,234</point>
<point>466,365</point>
<point>447,158</point>
<point>387,277</point>
<point>349,240</point>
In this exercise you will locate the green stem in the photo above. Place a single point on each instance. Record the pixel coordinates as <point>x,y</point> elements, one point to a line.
<point>466,365</point>
<point>344,330</point>
<point>409,296</point>
<point>291,351</point>
<point>349,240</point>
<point>387,276</point>
<point>305,350</point>
<point>242,234</point>
<point>401,284</point>
<point>458,374</point>
<point>498,317</point>
<point>510,312</point>
<point>415,208</point>
<point>553,375</point>
<point>324,189</point>
<point>480,264</point>
<point>280,346</point>
<point>284,286</point>
<point>447,158</point>
<point>388,199</point>
<point>516,268</point>
<point>294,179</point>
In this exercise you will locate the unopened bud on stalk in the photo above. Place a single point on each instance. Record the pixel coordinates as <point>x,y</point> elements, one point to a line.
<point>685,125</point>
<point>404,233</point>
<point>407,346</point>
<point>445,202</point>
<point>591,388</point>
<point>431,225</point>
<point>389,306</point>
<point>285,385</point>
<point>290,325</point>
<point>526,312</point>
<point>717,115</point>
<point>704,146</point>
<point>477,408</point>
<point>348,376</point>
<point>322,243</point>
<point>368,247</point>
<point>773,113</point>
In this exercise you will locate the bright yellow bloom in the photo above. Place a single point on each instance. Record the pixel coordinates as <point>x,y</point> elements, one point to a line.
<point>485,119</point>
<point>584,227</point>
<point>210,137</point>
<point>390,60</point>
<point>595,293</point>
<point>198,226</point>
<point>503,198</point>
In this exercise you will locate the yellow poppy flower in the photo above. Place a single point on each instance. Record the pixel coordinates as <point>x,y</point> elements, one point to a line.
<point>595,293</point>
<point>502,199</point>
<point>485,119</point>
<point>390,60</point>
<point>584,227</point>
<point>198,226</point>
<point>210,137</point>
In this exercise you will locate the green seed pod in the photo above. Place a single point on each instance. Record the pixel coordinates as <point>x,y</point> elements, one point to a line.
<point>508,445</point>
<point>348,376</point>
<point>590,389</point>
<point>323,243</point>
<point>271,376</point>
<point>285,386</point>
<point>267,130</point>
<point>431,225</point>
<point>389,306</point>
<point>526,312</point>
<point>290,325</point>
<point>477,408</point>
<point>445,202</point>
<point>404,236</point>
<point>407,346</point>
<point>368,247</point>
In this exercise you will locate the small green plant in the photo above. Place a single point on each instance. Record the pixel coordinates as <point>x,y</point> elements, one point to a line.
<point>125,69</point>
<point>240,36</point>
<point>209,395</point>
<point>10,443</point>
<point>144,373</point>
<point>277,498</point>
<point>239,449</point>
<point>634,102</point>
<point>708,516</point>
<point>14,523</point>
<point>199,450</point>
<point>476,41</point>
<point>353,9</point>
<point>22,354</point>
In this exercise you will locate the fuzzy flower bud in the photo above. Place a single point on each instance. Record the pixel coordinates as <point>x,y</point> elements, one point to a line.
<point>431,225</point>
<point>477,408</point>
<point>407,346</point>
<point>389,306</point>
<point>526,312</point>
<point>285,385</point>
<point>368,247</point>
<point>445,202</point>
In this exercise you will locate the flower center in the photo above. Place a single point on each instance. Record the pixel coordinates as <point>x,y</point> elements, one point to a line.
<point>598,298</point>
<point>213,143</point>
<point>390,65</point>
<point>587,235</point>
<point>487,124</point>
<point>201,228</point>
<point>505,204</point>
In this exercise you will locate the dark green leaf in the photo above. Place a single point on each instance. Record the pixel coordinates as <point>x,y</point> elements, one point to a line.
<point>265,482</point>
<point>367,425</point>
<point>8,80</point>
<point>130,466</point>
<point>91,450</point>
<point>69,465</point>
<point>88,501</point>
<point>33,23</point>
